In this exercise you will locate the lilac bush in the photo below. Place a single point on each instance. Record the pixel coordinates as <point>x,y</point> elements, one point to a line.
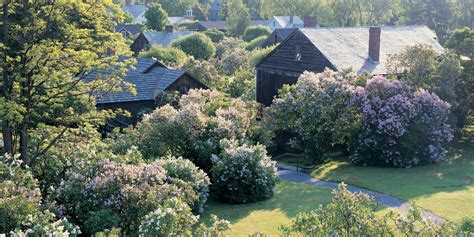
<point>243,173</point>
<point>399,127</point>
<point>113,194</point>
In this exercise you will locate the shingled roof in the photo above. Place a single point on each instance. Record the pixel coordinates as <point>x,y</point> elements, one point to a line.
<point>149,76</point>
<point>348,47</point>
<point>281,34</point>
<point>219,25</point>
<point>164,38</point>
<point>131,28</point>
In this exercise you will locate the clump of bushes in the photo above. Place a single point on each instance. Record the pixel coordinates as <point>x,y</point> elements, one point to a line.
<point>384,123</point>
<point>317,110</point>
<point>215,35</point>
<point>113,194</point>
<point>399,127</point>
<point>256,43</point>
<point>169,56</point>
<point>253,32</point>
<point>354,214</point>
<point>228,44</point>
<point>233,60</point>
<point>243,174</point>
<point>197,45</point>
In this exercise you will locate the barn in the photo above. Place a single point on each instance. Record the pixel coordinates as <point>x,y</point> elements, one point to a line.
<point>361,49</point>
<point>150,78</point>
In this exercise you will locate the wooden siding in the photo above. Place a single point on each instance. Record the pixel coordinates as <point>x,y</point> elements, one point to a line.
<point>140,44</point>
<point>184,84</point>
<point>281,67</point>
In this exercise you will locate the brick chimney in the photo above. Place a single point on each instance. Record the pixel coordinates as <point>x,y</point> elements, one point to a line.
<point>169,28</point>
<point>374,43</point>
<point>310,22</point>
<point>128,2</point>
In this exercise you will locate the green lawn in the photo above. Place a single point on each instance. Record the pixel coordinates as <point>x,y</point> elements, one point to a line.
<point>446,188</point>
<point>267,216</point>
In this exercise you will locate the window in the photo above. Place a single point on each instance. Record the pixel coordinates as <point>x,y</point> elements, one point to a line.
<point>297,52</point>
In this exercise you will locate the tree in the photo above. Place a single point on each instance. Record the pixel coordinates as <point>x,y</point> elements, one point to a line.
<point>170,56</point>
<point>49,47</point>
<point>253,32</point>
<point>238,19</point>
<point>177,7</point>
<point>197,45</point>
<point>156,17</point>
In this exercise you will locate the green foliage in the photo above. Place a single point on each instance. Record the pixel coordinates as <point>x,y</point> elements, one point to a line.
<point>354,214</point>
<point>186,171</point>
<point>317,110</point>
<point>462,42</point>
<point>243,174</point>
<point>228,44</point>
<point>467,224</point>
<point>215,35</point>
<point>177,7</point>
<point>256,43</point>
<point>20,196</point>
<point>258,55</point>
<point>233,60</point>
<point>101,220</point>
<point>215,230</point>
<point>68,40</point>
<point>173,218</point>
<point>253,32</point>
<point>238,18</point>
<point>362,13</point>
<point>197,45</point>
<point>206,72</point>
<point>172,57</point>
<point>156,17</point>
<point>193,129</point>
<point>243,84</point>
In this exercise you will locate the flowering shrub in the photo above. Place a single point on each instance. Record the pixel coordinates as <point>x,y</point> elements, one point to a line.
<point>317,110</point>
<point>228,44</point>
<point>194,129</point>
<point>399,127</point>
<point>243,174</point>
<point>231,61</point>
<point>125,192</point>
<point>173,218</point>
<point>19,196</point>
<point>186,171</point>
<point>351,214</point>
<point>44,224</point>
<point>216,229</point>
<point>206,72</point>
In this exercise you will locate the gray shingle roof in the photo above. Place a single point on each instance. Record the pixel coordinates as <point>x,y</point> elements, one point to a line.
<point>285,21</point>
<point>348,47</point>
<point>149,78</point>
<point>135,10</point>
<point>220,25</point>
<point>164,38</point>
<point>131,28</point>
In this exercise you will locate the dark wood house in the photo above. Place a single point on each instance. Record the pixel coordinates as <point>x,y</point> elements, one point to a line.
<point>363,50</point>
<point>150,78</point>
<point>278,36</point>
<point>128,29</point>
<point>164,38</point>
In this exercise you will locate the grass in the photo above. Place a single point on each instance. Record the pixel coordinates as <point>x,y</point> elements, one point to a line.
<point>267,216</point>
<point>445,188</point>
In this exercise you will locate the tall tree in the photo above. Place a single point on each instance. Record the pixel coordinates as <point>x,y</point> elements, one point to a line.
<point>48,48</point>
<point>156,17</point>
<point>238,19</point>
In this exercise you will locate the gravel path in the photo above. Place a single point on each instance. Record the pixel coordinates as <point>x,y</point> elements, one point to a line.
<point>289,173</point>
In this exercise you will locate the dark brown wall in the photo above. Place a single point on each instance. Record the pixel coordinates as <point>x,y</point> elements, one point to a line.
<point>184,84</point>
<point>140,43</point>
<point>281,66</point>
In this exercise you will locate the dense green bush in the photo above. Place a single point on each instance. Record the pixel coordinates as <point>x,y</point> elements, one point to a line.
<point>351,214</point>
<point>467,224</point>
<point>258,55</point>
<point>156,17</point>
<point>19,195</point>
<point>317,110</point>
<point>169,56</point>
<point>197,45</point>
<point>206,72</point>
<point>243,174</point>
<point>256,43</point>
<point>253,32</point>
<point>215,35</point>
<point>185,170</point>
<point>243,84</point>
<point>112,194</point>
<point>173,218</point>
